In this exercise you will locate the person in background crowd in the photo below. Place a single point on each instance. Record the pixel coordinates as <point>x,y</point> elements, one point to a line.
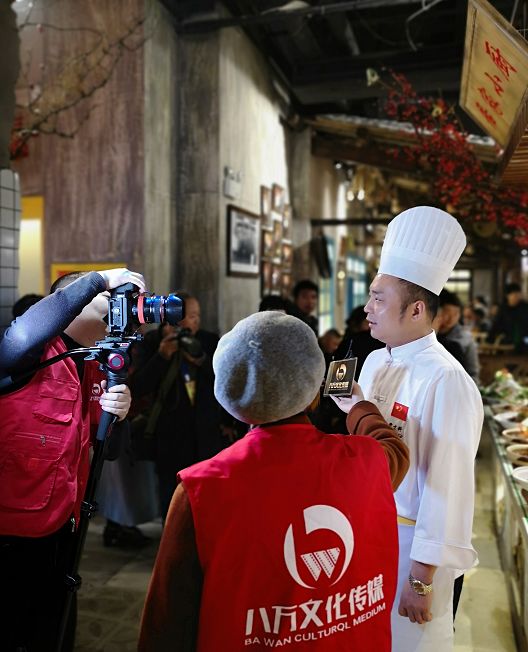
<point>305,296</point>
<point>44,472</point>
<point>358,335</point>
<point>175,372</point>
<point>481,323</point>
<point>481,303</point>
<point>273,302</point>
<point>511,320</point>
<point>25,302</point>
<point>250,511</point>
<point>451,330</point>
<point>329,342</point>
<point>431,401</point>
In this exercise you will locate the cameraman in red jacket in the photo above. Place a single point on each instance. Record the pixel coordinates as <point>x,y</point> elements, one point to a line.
<point>44,450</point>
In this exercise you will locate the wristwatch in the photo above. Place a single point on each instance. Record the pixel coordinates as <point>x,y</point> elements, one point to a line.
<point>420,587</point>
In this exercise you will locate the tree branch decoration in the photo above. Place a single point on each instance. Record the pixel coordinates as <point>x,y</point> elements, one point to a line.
<point>459,181</point>
<point>60,102</point>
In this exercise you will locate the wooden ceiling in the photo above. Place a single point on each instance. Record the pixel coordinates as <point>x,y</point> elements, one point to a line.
<point>320,51</point>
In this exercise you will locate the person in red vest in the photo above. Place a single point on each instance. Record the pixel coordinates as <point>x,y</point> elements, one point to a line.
<point>44,450</point>
<point>288,538</point>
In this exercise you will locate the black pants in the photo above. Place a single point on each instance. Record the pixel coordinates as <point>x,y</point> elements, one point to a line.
<point>457,591</point>
<point>32,574</point>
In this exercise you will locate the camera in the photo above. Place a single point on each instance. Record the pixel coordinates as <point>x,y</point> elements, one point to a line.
<point>188,342</point>
<point>128,309</point>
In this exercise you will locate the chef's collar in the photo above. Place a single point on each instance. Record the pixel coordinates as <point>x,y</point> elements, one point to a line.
<point>405,351</point>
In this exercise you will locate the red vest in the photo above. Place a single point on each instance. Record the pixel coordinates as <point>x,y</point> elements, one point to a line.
<point>44,447</point>
<point>297,538</point>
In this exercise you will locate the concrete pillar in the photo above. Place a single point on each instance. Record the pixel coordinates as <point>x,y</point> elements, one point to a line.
<point>196,262</point>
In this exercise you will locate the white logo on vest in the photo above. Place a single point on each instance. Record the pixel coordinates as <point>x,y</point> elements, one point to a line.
<point>320,517</point>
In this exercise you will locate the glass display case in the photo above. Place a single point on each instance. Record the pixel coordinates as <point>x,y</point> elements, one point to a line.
<point>510,513</point>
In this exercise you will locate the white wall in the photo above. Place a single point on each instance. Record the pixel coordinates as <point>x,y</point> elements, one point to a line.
<point>252,141</point>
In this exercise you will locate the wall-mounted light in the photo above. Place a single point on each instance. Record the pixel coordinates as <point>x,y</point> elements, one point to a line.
<point>361,194</point>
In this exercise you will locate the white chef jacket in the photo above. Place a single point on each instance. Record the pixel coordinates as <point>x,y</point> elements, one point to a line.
<point>428,398</point>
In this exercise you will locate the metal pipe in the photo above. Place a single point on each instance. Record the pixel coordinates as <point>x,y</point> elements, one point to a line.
<point>280,14</point>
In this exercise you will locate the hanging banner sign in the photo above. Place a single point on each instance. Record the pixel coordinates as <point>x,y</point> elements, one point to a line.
<point>494,87</point>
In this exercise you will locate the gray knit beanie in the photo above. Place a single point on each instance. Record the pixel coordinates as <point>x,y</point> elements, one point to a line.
<point>268,367</point>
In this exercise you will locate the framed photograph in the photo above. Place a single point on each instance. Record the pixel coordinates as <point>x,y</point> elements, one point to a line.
<point>287,222</point>
<point>265,204</point>
<point>243,242</point>
<point>276,278</point>
<point>278,198</point>
<point>265,278</point>
<point>286,283</point>
<point>287,253</point>
<point>277,235</point>
<point>267,242</point>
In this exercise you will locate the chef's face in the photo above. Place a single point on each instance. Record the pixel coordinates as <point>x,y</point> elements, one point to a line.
<point>384,312</point>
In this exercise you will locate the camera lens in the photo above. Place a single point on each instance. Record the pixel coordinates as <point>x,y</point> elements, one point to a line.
<point>174,309</point>
<point>156,309</point>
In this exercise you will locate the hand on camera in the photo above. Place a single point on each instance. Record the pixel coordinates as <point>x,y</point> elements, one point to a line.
<point>116,400</point>
<point>168,346</point>
<point>346,403</point>
<point>116,277</point>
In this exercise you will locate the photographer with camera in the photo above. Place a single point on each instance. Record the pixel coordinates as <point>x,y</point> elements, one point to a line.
<point>172,373</point>
<point>44,448</point>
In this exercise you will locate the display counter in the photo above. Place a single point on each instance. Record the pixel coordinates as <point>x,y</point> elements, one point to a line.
<point>492,360</point>
<point>510,511</point>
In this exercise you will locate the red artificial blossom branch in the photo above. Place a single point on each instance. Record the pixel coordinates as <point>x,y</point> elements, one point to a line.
<point>459,181</point>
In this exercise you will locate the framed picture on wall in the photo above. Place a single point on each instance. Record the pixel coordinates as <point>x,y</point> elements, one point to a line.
<point>265,278</point>
<point>267,242</point>
<point>276,279</point>
<point>287,222</point>
<point>278,198</point>
<point>286,283</point>
<point>265,205</point>
<point>287,253</point>
<point>243,242</point>
<point>277,235</point>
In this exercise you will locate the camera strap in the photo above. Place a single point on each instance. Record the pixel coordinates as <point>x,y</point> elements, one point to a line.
<point>164,388</point>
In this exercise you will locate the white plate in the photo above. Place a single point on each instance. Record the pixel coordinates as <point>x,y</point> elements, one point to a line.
<point>520,475</point>
<point>507,419</point>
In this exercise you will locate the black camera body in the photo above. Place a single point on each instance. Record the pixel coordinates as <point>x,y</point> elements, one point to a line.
<point>128,309</point>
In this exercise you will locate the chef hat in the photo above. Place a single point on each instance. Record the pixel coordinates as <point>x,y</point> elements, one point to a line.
<point>267,368</point>
<point>422,245</point>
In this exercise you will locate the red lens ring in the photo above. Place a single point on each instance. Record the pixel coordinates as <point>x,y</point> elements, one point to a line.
<point>140,315</point>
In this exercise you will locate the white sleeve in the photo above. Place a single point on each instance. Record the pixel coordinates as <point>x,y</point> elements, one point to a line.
<point>451,428</point>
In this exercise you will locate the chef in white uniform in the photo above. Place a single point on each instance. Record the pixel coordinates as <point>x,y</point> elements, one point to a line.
<point>426,395</point>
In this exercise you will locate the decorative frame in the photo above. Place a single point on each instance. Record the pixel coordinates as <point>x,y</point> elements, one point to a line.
<point>265,205</point>
<point>60,269</point>
<point>265,284</point>
<point>243,242</point>
<point>286,283</point>
<point>287,254</point>
<point>278,198</point>
<point>276,278</point>
<point>276,225</point>
<point>287,222</point>
<point>267,242</point>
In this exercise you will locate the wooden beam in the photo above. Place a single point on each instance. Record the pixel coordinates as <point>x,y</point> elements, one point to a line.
<point>345,149</point>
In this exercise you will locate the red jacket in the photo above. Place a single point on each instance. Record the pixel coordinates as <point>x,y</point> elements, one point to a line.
<point>44,444</point>
<point>297,539</point>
